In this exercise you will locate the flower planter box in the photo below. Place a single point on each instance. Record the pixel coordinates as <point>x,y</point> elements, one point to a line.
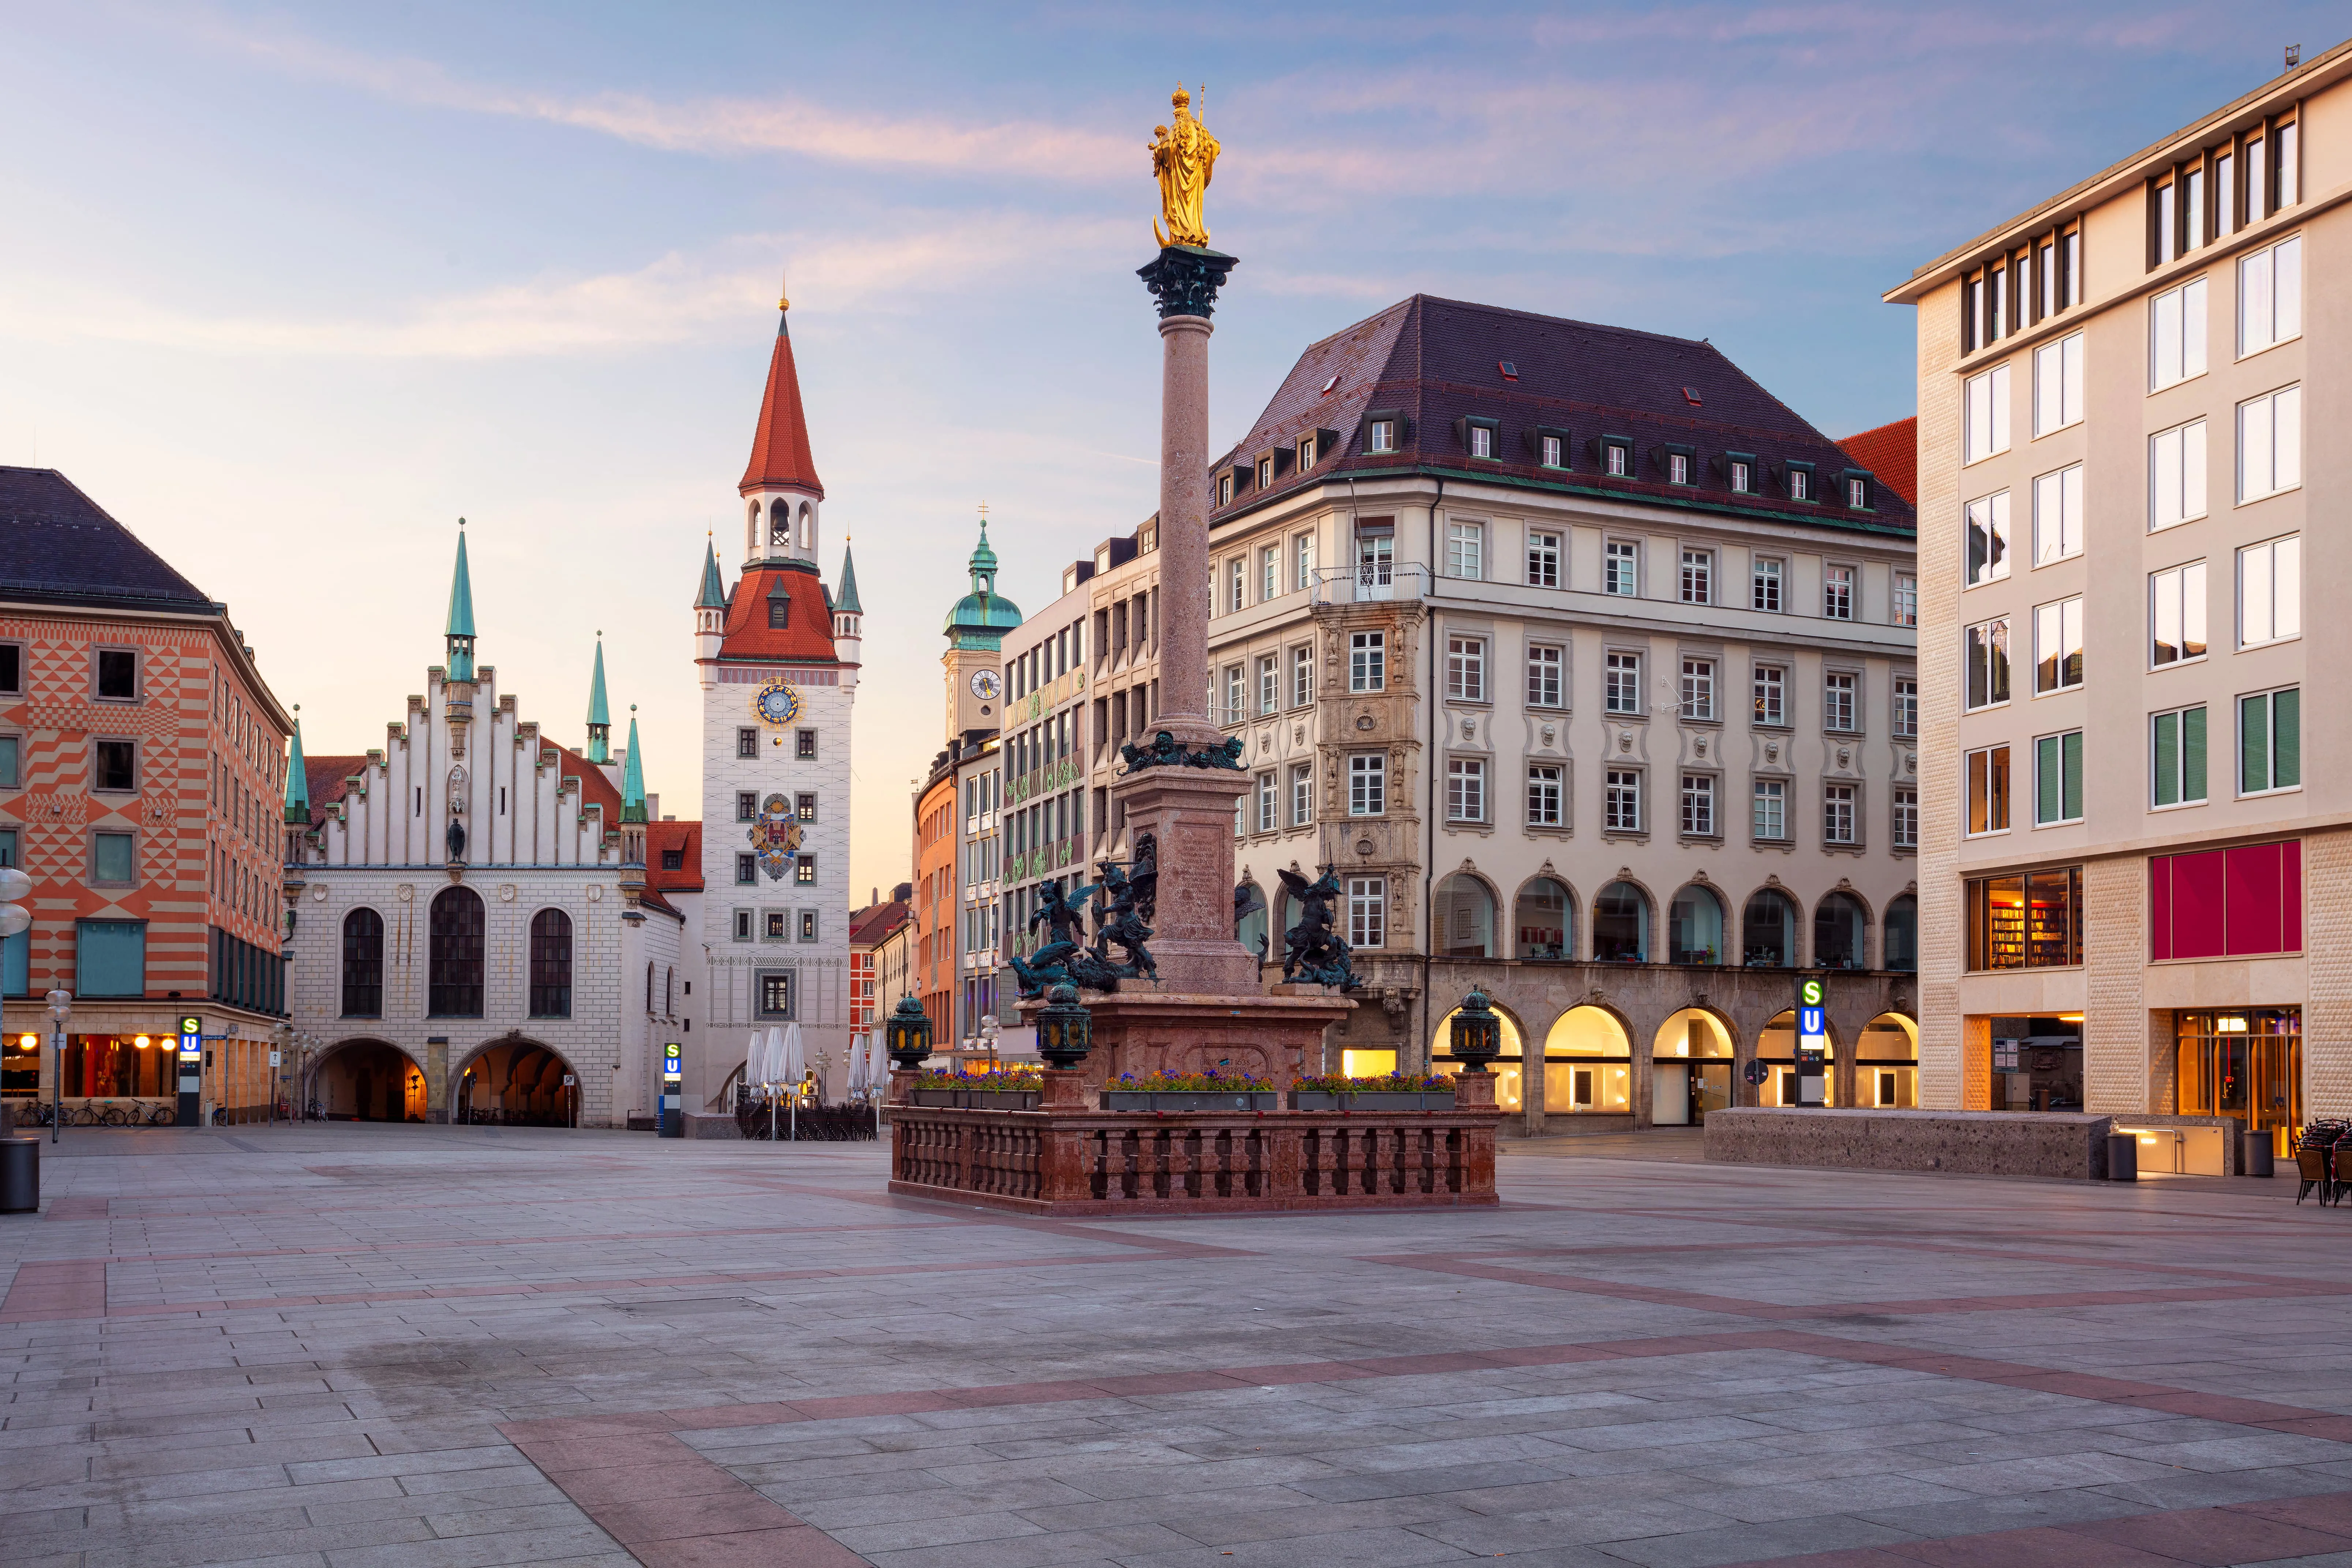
<point>1190,1100</point>
<point>975,1098</point>
<point>1330,1100</point>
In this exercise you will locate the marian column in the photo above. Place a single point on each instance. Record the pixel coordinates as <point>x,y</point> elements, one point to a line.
<point>1187,804</point>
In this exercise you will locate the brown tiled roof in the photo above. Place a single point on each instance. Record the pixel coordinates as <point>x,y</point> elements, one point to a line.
<point>58,546</point>
<point>1891,453</point>
<point>329,779</point>
<point>685,837</point>
<point>1438,363</point>
<point>780,447</point>
<point>749,636</point>
<point>871,924</point>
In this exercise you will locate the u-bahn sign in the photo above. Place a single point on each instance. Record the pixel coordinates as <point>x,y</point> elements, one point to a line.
<point>1812,1040</point>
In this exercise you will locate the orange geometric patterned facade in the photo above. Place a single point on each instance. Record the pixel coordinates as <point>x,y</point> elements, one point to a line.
<point>141,765</point>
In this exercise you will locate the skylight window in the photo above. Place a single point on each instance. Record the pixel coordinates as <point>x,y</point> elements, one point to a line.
<point>1330,385</point>
<point>1690,395</point>
<point>1510,371</point>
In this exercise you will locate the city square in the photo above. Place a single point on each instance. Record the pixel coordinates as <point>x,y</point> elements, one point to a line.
<point>377,1346</point>
<point>1646,883</point>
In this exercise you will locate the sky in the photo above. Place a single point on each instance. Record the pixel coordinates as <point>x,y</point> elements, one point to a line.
<point>288,289</point>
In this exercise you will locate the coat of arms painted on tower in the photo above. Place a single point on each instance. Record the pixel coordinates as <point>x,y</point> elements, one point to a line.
<point>776,837</point>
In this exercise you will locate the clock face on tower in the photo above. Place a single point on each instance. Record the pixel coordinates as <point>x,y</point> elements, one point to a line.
<point>777,702</point>
<point>986,684</point>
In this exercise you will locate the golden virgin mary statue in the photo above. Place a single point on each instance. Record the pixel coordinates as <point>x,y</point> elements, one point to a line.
<point>1182,156</point>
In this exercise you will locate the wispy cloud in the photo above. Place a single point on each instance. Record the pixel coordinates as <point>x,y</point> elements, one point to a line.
<point>783,122</point>
<point>682,297</point>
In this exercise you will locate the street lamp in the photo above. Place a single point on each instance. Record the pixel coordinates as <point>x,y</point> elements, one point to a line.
<point>989,1029</point>
<point>61,1012</point>
<point>1065,1029</point>
<point>907,1035</point>
<point>1475,1035</point>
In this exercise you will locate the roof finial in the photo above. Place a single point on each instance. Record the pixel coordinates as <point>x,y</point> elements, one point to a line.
<point>784,302</point>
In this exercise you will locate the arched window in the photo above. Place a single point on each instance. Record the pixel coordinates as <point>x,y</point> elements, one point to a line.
<point>1466,918</point>
<point>1838,927</point>
<point>363,965</point>
<point>779,524</point>
<point>1694,927</point>
<point>1587,1063</point>
<point>649,987</point>
<point>808,525</point>
<point>1621,925</point>
<point>1902,934</point>
<point>779,608</point>
<point>1768,931</point>
<point>669,992</point>
<point>550,964</point>
<point>1250,920</point>
<point>1543,917</point>
<point>454,955</point>
<point>751,526</point>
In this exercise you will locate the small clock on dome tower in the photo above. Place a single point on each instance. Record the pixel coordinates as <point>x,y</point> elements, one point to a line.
<point>986,684</point>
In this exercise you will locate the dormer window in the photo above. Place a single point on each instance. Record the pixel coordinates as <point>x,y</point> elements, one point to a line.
<point>1553,449</point>
<point>1857,492</point>
<point>1266,473</point>
<point>1741,474</point>
<point>1617,459</point>
<point>1381,431</point>
<point>1225,490</point>
<point>1678,470</point>
<point>780,611</point>
<point>1480,438</point>
<point>1305,453</point>
<point>1800,481</point>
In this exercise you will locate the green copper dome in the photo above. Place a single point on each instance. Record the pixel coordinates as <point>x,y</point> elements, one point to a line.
<point>981,617</point>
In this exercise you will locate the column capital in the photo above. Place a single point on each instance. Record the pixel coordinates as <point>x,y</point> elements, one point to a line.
<point>1185,278</point>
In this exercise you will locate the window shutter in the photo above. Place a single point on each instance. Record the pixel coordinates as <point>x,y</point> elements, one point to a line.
<point>2070,752</point>
<point>2287,726</point>
<point>2193,754</point>
<point>2167,748</point>
<point>2253,745</point>
<point>2045,779</point>
<point>1462,432</point>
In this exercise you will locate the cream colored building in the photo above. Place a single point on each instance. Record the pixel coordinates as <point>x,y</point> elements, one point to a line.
<point>2120,391</point>
<point>1589,665</point>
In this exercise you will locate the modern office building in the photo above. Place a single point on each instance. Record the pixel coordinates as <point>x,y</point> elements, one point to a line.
<point>2132,820</point>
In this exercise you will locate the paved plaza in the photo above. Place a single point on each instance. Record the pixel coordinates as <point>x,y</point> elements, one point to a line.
<point>376,1346</point>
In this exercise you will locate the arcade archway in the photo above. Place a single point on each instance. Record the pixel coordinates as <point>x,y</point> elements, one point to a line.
<point>516,1082</point>
<point>368,1081</point>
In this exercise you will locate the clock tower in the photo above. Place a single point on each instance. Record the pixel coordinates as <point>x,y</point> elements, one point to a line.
<point>778,652</point>
<point>975,659</point>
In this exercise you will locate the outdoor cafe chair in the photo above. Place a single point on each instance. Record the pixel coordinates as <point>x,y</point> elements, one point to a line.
<point>2311,1167</point>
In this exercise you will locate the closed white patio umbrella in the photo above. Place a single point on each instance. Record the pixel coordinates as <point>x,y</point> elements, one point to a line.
<point>861,1077</point>
<point>794,1057</point>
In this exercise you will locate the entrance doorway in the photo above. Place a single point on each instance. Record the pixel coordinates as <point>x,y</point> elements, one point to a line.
<point>1886,1064</point>
<point>1690,1069</point>
<point>368,1081</point>
<point>2248,1064</point>
<point>516,1083</point>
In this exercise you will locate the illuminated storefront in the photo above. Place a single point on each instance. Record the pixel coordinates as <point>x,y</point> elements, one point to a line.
<point>2246,1063</point>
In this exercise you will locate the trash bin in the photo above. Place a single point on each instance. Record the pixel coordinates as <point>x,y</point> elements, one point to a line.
<point>2254,1154</point>
<point>2122,1157</point>
<point>20,1176</point>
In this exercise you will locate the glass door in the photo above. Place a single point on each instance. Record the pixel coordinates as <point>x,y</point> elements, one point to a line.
<point>2246,1063</point>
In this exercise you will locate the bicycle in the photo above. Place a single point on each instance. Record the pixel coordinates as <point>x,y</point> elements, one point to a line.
<point>115,1116</point>
<point>163,1116</point>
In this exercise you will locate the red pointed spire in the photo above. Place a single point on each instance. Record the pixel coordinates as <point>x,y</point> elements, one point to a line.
<point>780,448</point>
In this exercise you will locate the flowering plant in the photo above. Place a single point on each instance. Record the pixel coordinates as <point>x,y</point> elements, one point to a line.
<point>1212,1082</point>
<point>1030,1080</point>
<point>1397,1082</point>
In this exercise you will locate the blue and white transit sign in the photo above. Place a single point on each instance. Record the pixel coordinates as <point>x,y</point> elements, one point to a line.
<point>1812,1041</point>
<point>670,1068</point>
<point>192,1038</point>
<point>1812,1023</point>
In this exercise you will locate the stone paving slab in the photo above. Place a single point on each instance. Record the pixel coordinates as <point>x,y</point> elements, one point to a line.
<point>373,1347</point>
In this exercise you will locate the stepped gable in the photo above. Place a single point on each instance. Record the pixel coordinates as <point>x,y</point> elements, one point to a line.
<point>1437,360</point>
<point>329,780</point>
<point>58,546</point>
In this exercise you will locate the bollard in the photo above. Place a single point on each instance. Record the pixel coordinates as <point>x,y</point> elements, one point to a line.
<point>20,1176</point>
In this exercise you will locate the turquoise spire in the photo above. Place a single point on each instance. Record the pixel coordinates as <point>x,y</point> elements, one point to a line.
<point>714,590</point>
<point>600,720</point>
<point>981,617</point>
<point>845,602</point>
<point>633,777</point>
<point>460,630</point>
<point>298,779</point>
